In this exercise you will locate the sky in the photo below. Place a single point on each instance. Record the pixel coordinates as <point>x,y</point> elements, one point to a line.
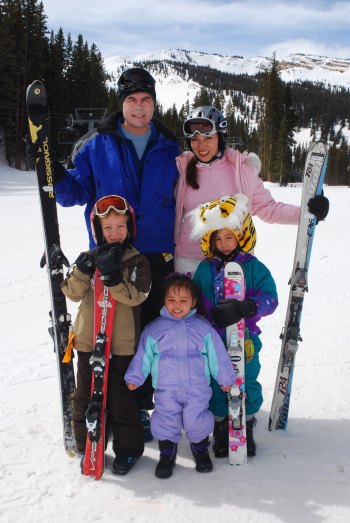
<point>250,28</point>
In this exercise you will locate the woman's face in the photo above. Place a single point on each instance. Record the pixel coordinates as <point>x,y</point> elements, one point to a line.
<point>205,147</point>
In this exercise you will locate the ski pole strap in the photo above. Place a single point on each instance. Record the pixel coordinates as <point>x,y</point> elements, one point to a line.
<point>68,353</point>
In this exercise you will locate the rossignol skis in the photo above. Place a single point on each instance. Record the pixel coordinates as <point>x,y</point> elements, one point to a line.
<point>315,169</point>
<point>94,458</point>
<point>235,289</point>
<point>38,116</point>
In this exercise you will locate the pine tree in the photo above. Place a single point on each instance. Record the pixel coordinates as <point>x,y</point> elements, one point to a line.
<point>202,98</point>
<point>8,76</point>
<point>285,142</point>
<point>269,128</point>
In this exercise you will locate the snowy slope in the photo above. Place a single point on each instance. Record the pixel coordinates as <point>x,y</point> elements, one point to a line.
<point>171,88</point>
<point>295,66</point>
<point>302,475</point>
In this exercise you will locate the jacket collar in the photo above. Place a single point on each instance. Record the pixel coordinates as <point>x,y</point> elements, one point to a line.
<point>166,314</point>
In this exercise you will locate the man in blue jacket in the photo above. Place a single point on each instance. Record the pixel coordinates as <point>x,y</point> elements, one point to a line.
<point>133,156</point>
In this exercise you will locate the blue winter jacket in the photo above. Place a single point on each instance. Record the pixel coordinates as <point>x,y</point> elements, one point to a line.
<point>180,353</point>
<point>105,162</point>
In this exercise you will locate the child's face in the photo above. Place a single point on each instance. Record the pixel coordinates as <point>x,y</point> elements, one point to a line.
<point>114,227</point>
<point>179,302</point>
<point>225,241</point>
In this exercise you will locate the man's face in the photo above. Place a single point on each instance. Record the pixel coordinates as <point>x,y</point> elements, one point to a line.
<point>138,111</point>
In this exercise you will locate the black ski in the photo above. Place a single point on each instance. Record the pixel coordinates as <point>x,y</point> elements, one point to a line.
<point>38,116</point>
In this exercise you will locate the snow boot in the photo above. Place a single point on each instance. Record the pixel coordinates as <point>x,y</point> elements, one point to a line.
<point>201,455</point>
<point>146,422</point>
<point>251,445</point>
<point>220,434</point>
<point>122,464</point>
<point>166,463</point>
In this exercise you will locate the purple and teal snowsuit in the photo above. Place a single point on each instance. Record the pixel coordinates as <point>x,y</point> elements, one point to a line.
<point>261,288</point>
<point>181,355</point>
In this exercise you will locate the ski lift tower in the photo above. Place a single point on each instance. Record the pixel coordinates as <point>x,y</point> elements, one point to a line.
<point>90,116</point>
<point>236,141</point>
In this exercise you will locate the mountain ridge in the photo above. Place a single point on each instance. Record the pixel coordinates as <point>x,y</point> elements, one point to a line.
<point>294,67</point>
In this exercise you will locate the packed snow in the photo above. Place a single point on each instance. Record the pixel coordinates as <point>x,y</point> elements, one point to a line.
<point>301,475</point>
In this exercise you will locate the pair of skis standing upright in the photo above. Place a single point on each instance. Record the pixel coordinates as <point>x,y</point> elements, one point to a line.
<point>93,465</point>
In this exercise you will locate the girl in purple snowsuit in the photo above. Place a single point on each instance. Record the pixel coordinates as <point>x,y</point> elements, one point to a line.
<point>181,351</point>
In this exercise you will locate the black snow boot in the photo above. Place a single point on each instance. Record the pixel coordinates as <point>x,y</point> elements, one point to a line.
<point>201,455</point>
<point>251,445</point>
<point>220,444</point>
<point>122,464</point>
<point>166,463</point>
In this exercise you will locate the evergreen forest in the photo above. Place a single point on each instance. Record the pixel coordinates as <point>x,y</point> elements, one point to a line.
<point>262,111</point>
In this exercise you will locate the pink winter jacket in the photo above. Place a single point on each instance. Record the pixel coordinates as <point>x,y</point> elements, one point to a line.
<point>233,173</point>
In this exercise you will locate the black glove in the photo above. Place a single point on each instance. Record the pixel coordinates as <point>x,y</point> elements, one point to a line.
<point>229,312</point>
<point>86,262</point>
<point>319,206</point>
<point>108,259</point>
<point>33,153</point>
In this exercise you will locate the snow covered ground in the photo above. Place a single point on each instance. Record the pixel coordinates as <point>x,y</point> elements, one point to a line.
<point>302,475</point>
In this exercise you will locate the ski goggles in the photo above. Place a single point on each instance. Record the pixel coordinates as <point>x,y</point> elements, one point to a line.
<point>110,203</point>
<point>203,126</point>
<point>135,85</point>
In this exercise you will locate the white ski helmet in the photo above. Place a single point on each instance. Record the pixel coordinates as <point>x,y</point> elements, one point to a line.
<point>205,120</point>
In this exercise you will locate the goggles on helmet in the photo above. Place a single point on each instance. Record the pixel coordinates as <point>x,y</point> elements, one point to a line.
<point>202,126</point>
<point>135,85</point>
<point>110,203</point>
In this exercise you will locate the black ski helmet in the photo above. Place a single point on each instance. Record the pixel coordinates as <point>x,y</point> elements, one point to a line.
<point>135,80</point>
<point>103,207</point>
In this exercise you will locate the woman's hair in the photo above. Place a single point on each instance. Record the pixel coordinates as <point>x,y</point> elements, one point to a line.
<point>191,173</point>
<point>180,281</point>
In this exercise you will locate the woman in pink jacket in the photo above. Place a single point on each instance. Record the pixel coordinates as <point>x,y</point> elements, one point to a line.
<point>211,170</point>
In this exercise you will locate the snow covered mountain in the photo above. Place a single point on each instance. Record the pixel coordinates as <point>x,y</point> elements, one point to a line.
<point>172,88</point>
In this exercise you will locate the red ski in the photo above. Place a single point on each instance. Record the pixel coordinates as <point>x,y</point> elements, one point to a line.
<point>94,458</point>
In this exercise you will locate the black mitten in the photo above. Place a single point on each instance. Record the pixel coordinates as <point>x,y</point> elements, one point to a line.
<point>319,206</point>
<point>86,262</point>
<point>108,259</point>
<point>229,312</point>
<point>33,153</point>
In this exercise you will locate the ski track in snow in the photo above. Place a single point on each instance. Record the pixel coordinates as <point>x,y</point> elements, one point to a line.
<point>302,474</point>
